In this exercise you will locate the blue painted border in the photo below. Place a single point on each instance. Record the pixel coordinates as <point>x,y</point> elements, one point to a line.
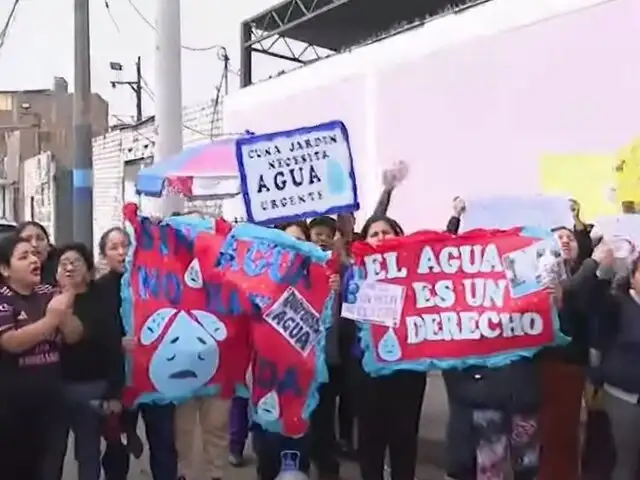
<point>376,368</point>
<point>192,225</point>
<point>322,127</point>
<point>249,231</point>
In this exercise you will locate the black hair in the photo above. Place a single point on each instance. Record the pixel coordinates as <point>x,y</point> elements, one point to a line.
<point>79,248</point>
<point>559,229</point>
<point>324,221</point>
<point>102,243</point>
<point>22,226</point>
<point>301,224</point>
<point>393,225</point>
<point>8,245</point>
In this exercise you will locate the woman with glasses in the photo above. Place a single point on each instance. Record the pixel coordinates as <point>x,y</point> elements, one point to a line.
<point>92,370</point>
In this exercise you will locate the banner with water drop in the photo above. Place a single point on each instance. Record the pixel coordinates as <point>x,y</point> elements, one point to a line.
<point>475,299</point>
<point>287,284</point>
<point>189,337</point>
<point>297,174</point>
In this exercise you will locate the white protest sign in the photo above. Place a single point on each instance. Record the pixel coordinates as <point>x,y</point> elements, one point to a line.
<point>297,174</point>
<point>376,302</point>
<point>508,211</point>
<point>622,233</point>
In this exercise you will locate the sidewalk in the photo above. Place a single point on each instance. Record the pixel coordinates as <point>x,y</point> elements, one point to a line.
<point>433,423</point>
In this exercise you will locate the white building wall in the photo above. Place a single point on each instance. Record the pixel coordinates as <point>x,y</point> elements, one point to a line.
<point>108,169</point>
<point>470,100</point>
<point>39,191</point>
<point>136,145</point>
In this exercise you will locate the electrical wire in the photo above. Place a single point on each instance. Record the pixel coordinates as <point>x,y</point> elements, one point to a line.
<point>111,17</point>
<point>146,88</point>
<point>4,33</point>
<point>153,27</point>
<point>152,96</point>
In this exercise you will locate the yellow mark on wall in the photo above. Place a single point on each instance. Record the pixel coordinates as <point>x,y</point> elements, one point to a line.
<point>590,179</point>
<point>627,173</point>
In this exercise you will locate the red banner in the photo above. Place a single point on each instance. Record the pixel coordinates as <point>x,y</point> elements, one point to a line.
<point>287,288</point>
<point>477,298</point>
<point>187,338</point>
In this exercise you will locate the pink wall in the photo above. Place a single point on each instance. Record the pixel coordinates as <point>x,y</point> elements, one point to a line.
<point>475,118</point>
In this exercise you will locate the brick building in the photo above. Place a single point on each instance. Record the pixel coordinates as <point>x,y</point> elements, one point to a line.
<point>35,121</point>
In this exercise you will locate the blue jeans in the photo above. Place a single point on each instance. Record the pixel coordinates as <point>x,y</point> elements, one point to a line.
<point>85,421</point>
<point>158,425</point>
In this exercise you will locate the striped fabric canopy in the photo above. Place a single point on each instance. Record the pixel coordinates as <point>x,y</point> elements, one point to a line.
<point>208,170</point>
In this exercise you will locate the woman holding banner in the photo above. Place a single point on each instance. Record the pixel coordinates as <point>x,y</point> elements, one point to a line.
<point>158,419</point>
<point>563,368</point>
<point>388,407</point>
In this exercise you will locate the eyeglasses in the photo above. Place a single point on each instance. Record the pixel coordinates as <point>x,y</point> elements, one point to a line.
<point>71,264</point>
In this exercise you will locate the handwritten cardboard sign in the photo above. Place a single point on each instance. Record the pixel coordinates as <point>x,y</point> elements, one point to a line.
<point>297,174</point>
<point>376,302</point>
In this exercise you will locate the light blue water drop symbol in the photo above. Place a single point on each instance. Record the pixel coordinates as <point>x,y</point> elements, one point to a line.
<point>389,348</point>
<point>193,275</point>
<point>336,177</point>
<point>154,325</point>
<point>268,407</point>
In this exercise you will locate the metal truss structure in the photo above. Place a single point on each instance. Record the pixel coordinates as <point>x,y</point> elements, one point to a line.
<point>266,34</point>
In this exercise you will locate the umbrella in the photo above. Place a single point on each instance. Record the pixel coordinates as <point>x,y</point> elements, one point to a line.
<point>208,170</point>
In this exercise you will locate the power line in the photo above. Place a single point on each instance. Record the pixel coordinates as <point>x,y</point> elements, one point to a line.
<point>111,17</point>
<point>7,24</point>
<point>153,27</point>
<point>146,88</point>
<point>152,96</point>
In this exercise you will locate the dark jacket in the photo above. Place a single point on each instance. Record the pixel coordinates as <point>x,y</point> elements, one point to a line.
<point>49,267</point>
<point>98,355</point>
<point>108,287</point>
<point>619,338</point>
<point>575,313</point>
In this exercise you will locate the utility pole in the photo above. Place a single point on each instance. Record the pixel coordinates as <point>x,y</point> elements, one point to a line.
<point>81,218</point>
<point>135,85</point>
<point>168,91</point>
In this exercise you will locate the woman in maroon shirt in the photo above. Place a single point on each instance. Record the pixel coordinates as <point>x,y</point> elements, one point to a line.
<point>34,320</point>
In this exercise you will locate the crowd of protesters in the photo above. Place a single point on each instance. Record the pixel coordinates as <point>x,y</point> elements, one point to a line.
<point>62,354</point>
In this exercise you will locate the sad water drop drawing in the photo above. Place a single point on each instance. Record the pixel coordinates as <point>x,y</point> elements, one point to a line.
<point>336,177</point>
<point>268,407</point>
<point>193,275</point>
<point>389,347</point>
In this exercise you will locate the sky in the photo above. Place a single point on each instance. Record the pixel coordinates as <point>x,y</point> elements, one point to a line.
<point>40,46</point>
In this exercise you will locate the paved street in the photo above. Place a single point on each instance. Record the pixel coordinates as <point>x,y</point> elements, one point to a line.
<point>432,428</point>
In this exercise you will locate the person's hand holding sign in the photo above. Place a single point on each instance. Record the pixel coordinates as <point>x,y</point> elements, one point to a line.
<point>603,254</point>
<point>334,282</point>
<point>574,206</point>
<point>554,290</point>
<point>459,207</point>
